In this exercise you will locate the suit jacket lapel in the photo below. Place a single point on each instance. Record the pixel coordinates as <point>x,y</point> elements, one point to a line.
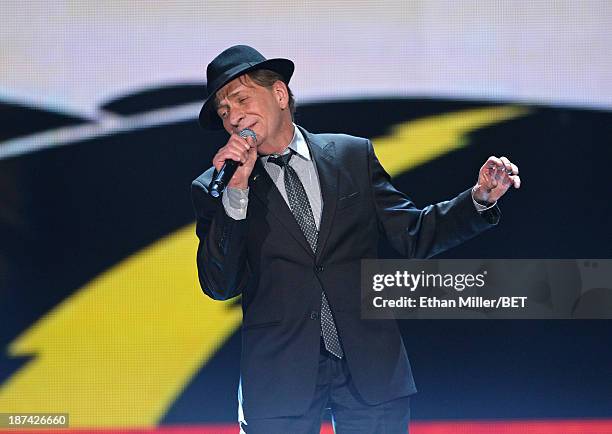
<point>264,189</point>
<point>324,157</point>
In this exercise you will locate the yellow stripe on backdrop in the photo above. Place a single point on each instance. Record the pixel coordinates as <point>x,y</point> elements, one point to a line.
<point>119,351</point>
<point>419,141</point>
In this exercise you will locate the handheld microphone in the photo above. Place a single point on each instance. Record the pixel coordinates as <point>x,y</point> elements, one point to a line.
<point>228,169</point>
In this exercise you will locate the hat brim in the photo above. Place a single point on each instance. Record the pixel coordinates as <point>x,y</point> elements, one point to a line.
<point>209,120</point>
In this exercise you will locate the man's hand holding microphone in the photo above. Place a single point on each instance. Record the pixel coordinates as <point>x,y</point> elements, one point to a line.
<point>234,162</point>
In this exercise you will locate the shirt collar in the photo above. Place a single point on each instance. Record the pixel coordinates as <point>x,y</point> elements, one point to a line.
<point>298,145</point>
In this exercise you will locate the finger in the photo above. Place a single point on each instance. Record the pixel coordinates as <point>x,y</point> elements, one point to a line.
<point>487,179</point>
<point>251,155</point>
<point>247,142</point>
<point>241,147</point>
<point>493,162</point>
<point>219,163</point>
<point>507,165</point>
<point>516,181</point>
<point>515,170</point>
<point>219,159</point>
<point>229,153</point>
<point>240,156</point>
<point>239,142</point>
<point>233,153</point>
<point>499,172</point>
<point>248,139</point>
<point>504,175</point>
<point>251,141</point>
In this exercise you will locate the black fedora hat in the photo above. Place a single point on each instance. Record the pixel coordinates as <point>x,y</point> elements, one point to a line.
<point>228,65</point>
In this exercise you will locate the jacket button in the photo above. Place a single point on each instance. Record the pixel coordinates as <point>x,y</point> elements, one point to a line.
<point>314,314</point>
<point>319,268</point>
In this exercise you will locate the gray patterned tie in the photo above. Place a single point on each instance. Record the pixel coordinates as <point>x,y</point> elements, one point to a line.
<point>300,207</point>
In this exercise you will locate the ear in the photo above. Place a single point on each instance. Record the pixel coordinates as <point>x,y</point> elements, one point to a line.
<point>279,88</point>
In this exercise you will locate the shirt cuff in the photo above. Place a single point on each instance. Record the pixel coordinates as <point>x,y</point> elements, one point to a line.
<point>235,202</point>
<point>479,206</point>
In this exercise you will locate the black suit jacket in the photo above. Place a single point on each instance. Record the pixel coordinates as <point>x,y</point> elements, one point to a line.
<point>267,259</point>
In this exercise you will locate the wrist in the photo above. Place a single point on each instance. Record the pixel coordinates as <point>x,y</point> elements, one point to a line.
<point>480,195</point>
<point>239,182</point>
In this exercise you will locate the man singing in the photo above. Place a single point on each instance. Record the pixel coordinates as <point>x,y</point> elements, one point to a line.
<point>288,234</point>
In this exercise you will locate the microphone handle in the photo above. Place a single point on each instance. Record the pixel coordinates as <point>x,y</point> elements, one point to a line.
<point>229,168</point>
<point>223,177</point>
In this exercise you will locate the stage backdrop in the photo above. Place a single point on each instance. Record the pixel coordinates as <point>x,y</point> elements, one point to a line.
<point>102,316</point>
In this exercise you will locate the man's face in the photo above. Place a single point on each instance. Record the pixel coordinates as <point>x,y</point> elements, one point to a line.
<point>242,103</point>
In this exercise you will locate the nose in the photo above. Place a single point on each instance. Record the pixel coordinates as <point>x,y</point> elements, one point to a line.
<point>236,116</point>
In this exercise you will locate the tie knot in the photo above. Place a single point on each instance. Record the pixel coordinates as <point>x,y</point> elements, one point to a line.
<point>281,160</point>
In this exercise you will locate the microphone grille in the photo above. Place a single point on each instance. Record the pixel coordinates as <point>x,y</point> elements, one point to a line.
<point>247,132</point>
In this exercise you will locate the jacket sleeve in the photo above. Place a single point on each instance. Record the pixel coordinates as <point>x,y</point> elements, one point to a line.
<point>221,255</point>
<point>422,233</point>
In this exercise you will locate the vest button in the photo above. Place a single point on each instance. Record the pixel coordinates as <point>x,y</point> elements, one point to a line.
<point>314,314</point>
<point>319,268</point>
